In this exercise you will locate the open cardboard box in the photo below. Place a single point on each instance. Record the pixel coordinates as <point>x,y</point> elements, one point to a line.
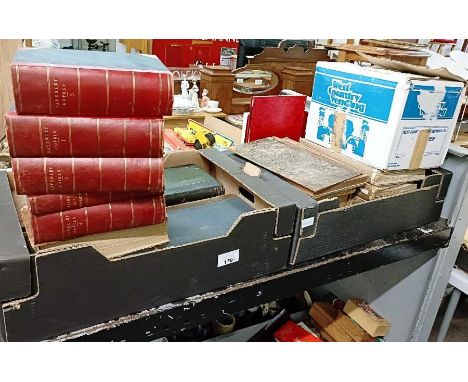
<point>330,227</point>
<point>212,243</point>
<point>109,244</point>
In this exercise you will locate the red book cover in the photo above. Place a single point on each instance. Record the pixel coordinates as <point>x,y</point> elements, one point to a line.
<point>32,136</point>
<point>50,203</point>
<point>291,332</point>
<point>276,116</point>
<point>98,219</point>
<point>36,176</point>
<point>86,83</point>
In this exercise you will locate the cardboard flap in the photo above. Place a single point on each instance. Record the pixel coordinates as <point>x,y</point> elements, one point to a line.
<point>112,245</point>
<point>255,184</point>
<point>221,127</point>
<point>266,186</point>
<point>400,66</point>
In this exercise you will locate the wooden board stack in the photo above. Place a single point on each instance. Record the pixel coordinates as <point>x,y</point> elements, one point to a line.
<point>356,323</point>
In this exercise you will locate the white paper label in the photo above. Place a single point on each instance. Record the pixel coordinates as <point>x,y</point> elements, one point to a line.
<point>258,82</point>
<point>228,258</point>
<point>308,222</point>
<point>240,80</point>
<point>426,231</point>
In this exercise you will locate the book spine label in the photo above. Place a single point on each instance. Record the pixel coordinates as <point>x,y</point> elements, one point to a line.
<point>74,91</point>
<point>98,219</point>
<point>35,176</point>
<point>50,203</point>
<point>43,136</point>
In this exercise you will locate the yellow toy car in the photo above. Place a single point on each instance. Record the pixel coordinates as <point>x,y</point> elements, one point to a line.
<point>196,134</point>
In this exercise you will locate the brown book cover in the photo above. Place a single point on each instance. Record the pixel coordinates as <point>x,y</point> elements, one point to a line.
<point>316,174</point>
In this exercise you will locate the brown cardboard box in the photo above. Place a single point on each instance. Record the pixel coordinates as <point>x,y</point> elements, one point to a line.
<point>224,245</point>
<point>221,127</point>
<point>367,318</point>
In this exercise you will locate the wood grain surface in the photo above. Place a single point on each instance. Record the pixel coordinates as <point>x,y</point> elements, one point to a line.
<point>7,51</point>
<point>296,163</point>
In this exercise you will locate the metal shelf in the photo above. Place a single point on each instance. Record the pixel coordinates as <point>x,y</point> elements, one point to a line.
<point>181,315</point>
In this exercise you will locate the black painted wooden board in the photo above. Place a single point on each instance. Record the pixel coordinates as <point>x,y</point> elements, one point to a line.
<point>346,227</point>
<point>79,288</point>
<point>15,276</point>
<point>188,313</point>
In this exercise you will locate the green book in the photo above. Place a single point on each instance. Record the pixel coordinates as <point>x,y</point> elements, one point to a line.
<point>188,183</point>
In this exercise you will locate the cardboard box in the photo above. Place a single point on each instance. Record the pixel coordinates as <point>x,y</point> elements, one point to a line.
<point>386,119</point>
<point>367,318</point>
<point>224,128</point>
<point>213,243</point>
<point>329,227</point>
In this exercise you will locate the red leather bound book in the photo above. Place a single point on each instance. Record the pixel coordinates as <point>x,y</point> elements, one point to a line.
<point>44,136</point>
<point>85,83</point>
<point>36,176</point>
<point>281,116</point>
<point>50,203</point>
<point>98,219</point>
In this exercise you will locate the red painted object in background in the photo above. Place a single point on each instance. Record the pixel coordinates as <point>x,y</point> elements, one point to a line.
<point>183,53</point>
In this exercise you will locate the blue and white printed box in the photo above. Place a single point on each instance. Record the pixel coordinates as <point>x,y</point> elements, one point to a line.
<point>386,119</point>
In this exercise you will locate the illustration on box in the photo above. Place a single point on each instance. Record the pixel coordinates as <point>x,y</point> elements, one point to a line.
<point>353,140</point>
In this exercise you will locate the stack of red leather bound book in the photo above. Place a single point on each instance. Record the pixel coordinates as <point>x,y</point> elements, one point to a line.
<point>86,140</point>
